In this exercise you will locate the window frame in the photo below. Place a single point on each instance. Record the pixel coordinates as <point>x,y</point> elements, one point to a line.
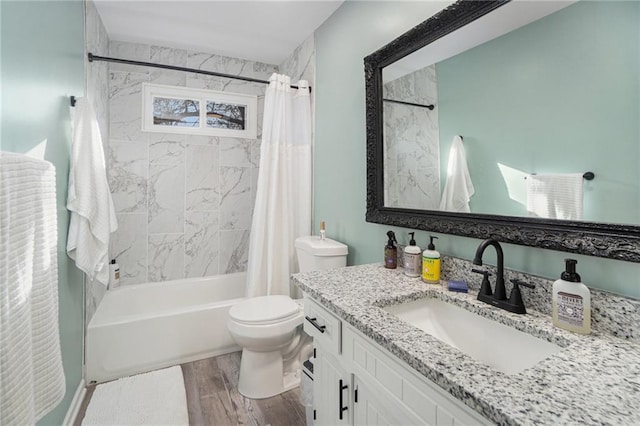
<point>151,91</point>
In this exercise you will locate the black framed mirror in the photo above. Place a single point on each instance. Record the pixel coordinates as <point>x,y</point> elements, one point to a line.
<point>602,238</point>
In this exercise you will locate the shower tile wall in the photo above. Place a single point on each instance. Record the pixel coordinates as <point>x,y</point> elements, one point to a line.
<point>411,139</point>
<point>97,80</point>
<point>184,203</point>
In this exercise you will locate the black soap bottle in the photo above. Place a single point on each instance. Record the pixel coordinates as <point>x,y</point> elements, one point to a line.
<point>391,252</point>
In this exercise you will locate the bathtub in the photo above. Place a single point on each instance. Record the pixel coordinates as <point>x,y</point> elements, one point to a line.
<point>143,327</point>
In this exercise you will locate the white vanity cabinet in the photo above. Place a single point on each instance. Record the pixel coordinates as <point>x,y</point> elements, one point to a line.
<point>332,390</point>
<point>358,382</point>
<point>332,387</point>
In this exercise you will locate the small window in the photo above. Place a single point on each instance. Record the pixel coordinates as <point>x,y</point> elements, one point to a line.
<point>171,109</point>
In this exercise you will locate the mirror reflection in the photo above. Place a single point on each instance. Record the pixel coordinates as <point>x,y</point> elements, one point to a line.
<point>536,108</point>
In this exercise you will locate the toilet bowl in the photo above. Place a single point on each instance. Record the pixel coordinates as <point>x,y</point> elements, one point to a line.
<point>269,328</point>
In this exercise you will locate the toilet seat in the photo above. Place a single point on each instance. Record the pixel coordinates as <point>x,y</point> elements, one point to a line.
<point>264,310</point>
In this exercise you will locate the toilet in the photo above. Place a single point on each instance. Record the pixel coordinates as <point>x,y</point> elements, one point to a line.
<point>269,328</point>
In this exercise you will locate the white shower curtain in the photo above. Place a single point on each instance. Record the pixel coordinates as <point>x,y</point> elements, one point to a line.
<point>282,209</point>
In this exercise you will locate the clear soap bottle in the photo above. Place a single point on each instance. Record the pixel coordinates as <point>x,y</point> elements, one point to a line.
<point>571,303</point>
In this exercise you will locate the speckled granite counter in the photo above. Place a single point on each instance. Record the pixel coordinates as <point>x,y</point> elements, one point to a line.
<point>594,379</point>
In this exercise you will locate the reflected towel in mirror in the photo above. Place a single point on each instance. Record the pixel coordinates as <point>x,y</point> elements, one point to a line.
<point>458,189</point>
<point>555,195</point>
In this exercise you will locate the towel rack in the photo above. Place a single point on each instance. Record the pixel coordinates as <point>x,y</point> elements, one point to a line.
<point>585,175</point>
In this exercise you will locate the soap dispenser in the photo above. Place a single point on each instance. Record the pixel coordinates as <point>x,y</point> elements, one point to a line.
<point>571,301</point>
<point>431,263</point>
<point>412,258</point>
<point>391,252</point>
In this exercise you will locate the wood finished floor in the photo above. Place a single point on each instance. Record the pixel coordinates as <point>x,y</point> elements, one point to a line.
<point>213,400</point>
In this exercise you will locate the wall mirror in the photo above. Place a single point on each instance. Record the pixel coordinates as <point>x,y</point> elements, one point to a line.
<point>534,89</point>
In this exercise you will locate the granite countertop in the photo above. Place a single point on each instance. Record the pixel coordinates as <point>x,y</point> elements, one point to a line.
<point>594,379</point>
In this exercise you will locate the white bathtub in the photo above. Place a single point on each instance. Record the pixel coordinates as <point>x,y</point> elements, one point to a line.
<point>144,327</point>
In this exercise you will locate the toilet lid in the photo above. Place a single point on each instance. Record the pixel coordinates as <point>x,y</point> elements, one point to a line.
<point>264,309</point>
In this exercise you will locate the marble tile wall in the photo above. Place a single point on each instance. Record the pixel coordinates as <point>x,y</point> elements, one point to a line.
<point>411,142</point>
<point>184,203</point>
<point>97,92</point>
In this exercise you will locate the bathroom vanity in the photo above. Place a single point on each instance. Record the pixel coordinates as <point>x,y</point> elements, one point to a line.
<point>376,365</point>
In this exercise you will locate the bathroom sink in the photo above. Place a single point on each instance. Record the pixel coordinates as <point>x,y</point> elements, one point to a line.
<point>501,347</point>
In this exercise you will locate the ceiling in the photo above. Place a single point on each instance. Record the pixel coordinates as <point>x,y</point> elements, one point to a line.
<point>264,31</point>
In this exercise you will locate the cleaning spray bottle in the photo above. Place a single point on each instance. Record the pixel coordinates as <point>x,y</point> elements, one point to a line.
<point>431,263</point>
<point>412,258</point>
<point>571,301</point>
<point>391,252</point>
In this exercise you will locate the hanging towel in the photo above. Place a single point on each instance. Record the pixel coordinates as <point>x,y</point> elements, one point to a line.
<point>555,196</point>
<point>31,375</point>
<point>458,188</point>
<point>93,217</point>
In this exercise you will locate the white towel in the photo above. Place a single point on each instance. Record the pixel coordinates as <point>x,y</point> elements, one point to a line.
<point>93,216</point>
<point>31,376</point>
<point>555,196</point>
<point>458,188</point>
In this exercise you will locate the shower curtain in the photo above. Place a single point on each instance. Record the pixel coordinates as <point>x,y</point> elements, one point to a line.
<point>282,210</point>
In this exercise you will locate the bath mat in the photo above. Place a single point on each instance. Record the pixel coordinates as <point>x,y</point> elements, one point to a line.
<point>155,398</point>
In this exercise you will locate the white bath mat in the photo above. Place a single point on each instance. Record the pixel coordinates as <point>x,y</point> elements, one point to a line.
<point>155,398</point>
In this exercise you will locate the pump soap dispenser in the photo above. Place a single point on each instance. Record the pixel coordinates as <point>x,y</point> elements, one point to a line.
<point>571,301</point>
<point>391,252</point>
<point>431,263</point>
<point>412,258</point>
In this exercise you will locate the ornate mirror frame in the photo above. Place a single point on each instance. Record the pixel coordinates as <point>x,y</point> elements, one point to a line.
<point>612,241</point>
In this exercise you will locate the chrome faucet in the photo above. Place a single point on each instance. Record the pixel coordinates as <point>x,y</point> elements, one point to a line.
<point>498,297</point>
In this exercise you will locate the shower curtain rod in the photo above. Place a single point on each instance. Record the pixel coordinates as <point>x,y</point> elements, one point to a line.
<point>430,107</point>
<point>93,57</point>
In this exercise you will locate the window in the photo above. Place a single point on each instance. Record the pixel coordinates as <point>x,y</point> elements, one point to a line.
<point>171,109</point>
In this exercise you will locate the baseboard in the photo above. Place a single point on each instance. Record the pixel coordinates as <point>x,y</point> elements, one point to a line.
<point>76,404</point>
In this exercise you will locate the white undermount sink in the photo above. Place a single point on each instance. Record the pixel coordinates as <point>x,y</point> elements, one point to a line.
<point>501,347</point>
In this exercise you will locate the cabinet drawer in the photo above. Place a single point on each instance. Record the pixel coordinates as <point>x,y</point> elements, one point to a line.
<point>323,326</point>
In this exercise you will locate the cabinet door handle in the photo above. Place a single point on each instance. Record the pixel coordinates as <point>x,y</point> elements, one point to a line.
<point>314,322</point>
<point>341,408</point>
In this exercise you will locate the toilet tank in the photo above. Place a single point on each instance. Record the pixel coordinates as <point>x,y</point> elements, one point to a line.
<point>315,254</point>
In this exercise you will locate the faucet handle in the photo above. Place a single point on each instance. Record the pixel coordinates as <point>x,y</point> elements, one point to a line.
<point>486,274</point>
<point>485,287</point>
<point>515,298</point>
<point>516,282</point>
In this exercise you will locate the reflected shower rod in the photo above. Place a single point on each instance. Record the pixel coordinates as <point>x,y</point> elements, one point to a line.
<point>91,57</point>
<point>430,107</point>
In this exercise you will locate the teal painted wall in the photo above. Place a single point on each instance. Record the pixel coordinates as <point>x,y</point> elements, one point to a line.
<point>355,30</point>
<point>551,97</point>
<point>42,64</point>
